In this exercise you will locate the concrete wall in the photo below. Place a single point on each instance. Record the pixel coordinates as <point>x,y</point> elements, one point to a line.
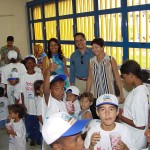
<point>13,21</point>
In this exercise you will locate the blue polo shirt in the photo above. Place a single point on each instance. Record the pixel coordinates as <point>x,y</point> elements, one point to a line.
<point>79,64</point>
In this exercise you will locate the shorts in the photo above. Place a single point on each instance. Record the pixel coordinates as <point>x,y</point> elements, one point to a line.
<point>3,123</point>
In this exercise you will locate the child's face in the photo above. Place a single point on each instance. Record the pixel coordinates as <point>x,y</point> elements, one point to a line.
<point>70,97</point>
<point>85,103</point>
<point>127,78</point>
<point>74,142</point>
<point>107,113</point>
<point>57,90</point>
<point>13,115</point>
<point>40,91</point>
<point>30,64</point>
<point>13,82</point>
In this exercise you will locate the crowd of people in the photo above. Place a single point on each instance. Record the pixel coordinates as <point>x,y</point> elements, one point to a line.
<point>77,109</point>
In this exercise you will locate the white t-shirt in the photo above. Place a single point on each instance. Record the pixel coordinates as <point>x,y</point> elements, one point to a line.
<point>18,142</point>
<point>27,86</point>
<point>3,108</point>
<point>55,106</point>
<point>136,108</point>
<point>105,143</point>
<point>8,68</point>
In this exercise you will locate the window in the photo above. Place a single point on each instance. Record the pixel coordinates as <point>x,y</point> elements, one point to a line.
<point>123,24</point>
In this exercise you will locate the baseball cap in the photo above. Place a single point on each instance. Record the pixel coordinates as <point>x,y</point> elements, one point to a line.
<point>30,57</point>
<point>73,90</point>
<point>61,125</point>
<point>13,75</point>
<point>55,77</point>
<point>107,99</point>
<point>12,54</point>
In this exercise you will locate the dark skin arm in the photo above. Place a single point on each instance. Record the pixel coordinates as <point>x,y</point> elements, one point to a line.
<point>129,122</point>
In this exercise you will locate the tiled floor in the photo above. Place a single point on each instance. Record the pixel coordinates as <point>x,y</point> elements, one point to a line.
<point>4,142</point>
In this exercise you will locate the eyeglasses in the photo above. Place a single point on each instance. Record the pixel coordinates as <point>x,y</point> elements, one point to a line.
<point>82,59</point>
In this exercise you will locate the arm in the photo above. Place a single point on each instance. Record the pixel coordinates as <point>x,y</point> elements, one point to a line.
<point>45,64</point>
<point>72,71</point>
<point>46,84</point>
<point>129,122</point>
<point>87,115</point>
<point>40,119</point>
<point>89,79</point>
<point>65,68</point>
<point>117,78</point>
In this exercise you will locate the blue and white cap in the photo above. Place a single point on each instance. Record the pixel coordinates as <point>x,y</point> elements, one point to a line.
<point>107,99</point>
<point>55,77</point>
<point>61,125</point>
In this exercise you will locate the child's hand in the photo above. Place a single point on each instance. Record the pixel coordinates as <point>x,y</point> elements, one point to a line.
<point>11,131</point>
<point>95,138</point>
<point>121,146</point>
<point>52,67</point>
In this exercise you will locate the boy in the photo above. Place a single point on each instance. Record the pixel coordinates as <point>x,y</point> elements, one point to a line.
<point>54,91</point>
<point>3,109</point>
<point>63,132</point>
<point>108,134</point>
<point>27,85</point>
<point>72,94</point>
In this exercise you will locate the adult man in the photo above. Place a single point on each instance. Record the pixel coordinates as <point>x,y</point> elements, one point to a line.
<point>5,49</point>
<point>79,62</point>
<point>63,132</point>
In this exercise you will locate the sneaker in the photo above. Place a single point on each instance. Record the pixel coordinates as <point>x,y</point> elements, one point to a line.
<point>32,143</point>
<point>38,142</point>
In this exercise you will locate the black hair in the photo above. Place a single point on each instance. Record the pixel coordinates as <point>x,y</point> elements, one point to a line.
<point>1,92</point>
<point>29,58</point>
<point>37,85</point>
<point>80,34</point>
<point>18,108</point>
<point>13,60</point>
<point>131,66</point>
<point>98,41</point>
<point>60,53</point>
<point>54,81</point>
<point>10,38</point>
<point>87,95</point>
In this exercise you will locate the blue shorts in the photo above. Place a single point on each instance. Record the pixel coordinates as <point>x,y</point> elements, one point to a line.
<point>3,123</point>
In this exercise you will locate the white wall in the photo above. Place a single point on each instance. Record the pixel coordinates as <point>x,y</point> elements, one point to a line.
<point>13,21</point>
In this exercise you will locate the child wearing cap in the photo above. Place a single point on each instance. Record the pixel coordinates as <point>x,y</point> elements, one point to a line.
<point>63,132</point>
<point>86,100</point>
<point>27,85</point>
<point>54,91</point>
<point>108,134</point>
<point>72,102</point>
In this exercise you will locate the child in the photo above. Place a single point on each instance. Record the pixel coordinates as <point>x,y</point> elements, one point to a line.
<point>16,128</point>
<point>54,91</point>
<point>72,94</point>
<point>14,88</point>
<point>27,84</point>
<point>108,134</point>
<point>3,109</point>
<point>136,107</point>
<point>86,100</point>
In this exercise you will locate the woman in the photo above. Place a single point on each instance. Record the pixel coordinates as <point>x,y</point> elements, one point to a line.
<point>136,106</point>
<point>56,56</point>
<point>103,71</point>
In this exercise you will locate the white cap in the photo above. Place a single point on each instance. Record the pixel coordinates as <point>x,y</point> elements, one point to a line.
<point>13,75</point>
<point>61,125</point>
<point>30,57</point>
<point>73,90</point>
<point>12,54</point>
<point>107,99</point>
<point>55,77</point>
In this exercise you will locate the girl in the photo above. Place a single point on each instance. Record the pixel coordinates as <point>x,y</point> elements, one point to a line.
<point>86,100</point>
<point>135,113</point>
<point>16,128</point>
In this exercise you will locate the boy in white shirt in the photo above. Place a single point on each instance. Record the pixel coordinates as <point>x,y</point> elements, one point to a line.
<point>27,85</point>
<point>72,95</point>
<point>3,109</point>
<point>108,134</point>
<point>54,91</point>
